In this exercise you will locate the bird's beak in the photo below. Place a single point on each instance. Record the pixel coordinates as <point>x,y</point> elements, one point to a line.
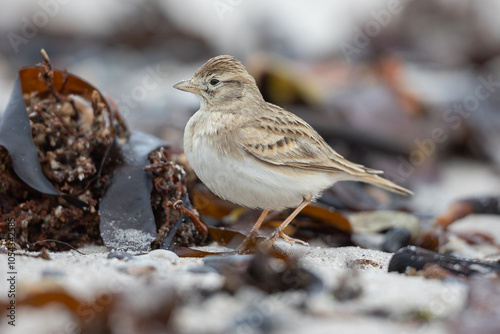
<point>188,86</point>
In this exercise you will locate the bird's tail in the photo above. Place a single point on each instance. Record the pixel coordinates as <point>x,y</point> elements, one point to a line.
<point>384,184</point>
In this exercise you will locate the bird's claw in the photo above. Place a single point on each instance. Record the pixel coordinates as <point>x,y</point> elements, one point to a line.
<point>276,234</point>
<point>292,240</point>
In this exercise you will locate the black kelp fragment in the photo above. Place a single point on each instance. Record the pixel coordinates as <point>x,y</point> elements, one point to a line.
<point>127,220</point>
<point>418,258</point>
<point>15,136</point>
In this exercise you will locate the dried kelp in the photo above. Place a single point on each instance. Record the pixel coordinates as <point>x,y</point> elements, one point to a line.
<point>69,165</point>
<point>419,258</point>
<point>170,202</point>
<point>467,206</point>
<point>55,133</point>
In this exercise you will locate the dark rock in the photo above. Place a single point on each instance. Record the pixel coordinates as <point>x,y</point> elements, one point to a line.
<point>395,238</point>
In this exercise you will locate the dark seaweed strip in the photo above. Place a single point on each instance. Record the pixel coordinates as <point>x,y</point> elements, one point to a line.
<point>15,136</point>
<point>415,257</point>
<point>127,219</point>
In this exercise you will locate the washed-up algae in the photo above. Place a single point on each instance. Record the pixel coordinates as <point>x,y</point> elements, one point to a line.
<point>64,149</point>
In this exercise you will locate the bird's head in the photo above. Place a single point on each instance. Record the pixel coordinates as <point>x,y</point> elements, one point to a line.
<point>221,81</point>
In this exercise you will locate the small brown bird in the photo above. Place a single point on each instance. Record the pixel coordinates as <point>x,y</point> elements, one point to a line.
<point>256,154</point>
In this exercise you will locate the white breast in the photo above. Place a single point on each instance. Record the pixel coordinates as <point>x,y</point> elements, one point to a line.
<point>245,180</point>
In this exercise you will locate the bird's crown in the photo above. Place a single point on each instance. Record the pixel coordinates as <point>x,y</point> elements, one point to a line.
<point>221,64</point>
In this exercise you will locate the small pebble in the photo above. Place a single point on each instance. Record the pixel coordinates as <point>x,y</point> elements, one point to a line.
<point>161,254</point>
<point>141,267</point>
<point>52,273</point>
<point>202,270</point>
<point>396,238</point>
<point>120,255</point>
<point>222,262</point>
<point>140,270</point>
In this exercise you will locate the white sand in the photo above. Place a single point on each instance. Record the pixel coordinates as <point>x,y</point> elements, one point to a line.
<point>85,276</point>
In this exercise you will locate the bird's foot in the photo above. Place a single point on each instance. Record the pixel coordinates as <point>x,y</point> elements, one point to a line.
<point>269,241</point>
<point>292,240</point>
<point>276,234</point>
<point>250,241</point>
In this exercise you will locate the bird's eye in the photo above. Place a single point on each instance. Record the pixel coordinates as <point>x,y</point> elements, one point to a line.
<point>214,82</point>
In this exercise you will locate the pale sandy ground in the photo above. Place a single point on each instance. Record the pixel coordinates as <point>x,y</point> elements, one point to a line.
<point>250,310</point>
<point>84,276</point>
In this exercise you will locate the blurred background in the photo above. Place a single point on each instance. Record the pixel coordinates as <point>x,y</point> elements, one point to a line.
<point>409,87</point>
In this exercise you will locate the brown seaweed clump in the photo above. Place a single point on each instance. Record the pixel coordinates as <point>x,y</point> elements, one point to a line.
<point>71,135</point>
<point>171,203</point>
<point>79,137</point>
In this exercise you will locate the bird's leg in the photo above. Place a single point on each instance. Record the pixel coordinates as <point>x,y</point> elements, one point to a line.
<point>259,222</point>
<point>253,231</point>
<point>279,231</point>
